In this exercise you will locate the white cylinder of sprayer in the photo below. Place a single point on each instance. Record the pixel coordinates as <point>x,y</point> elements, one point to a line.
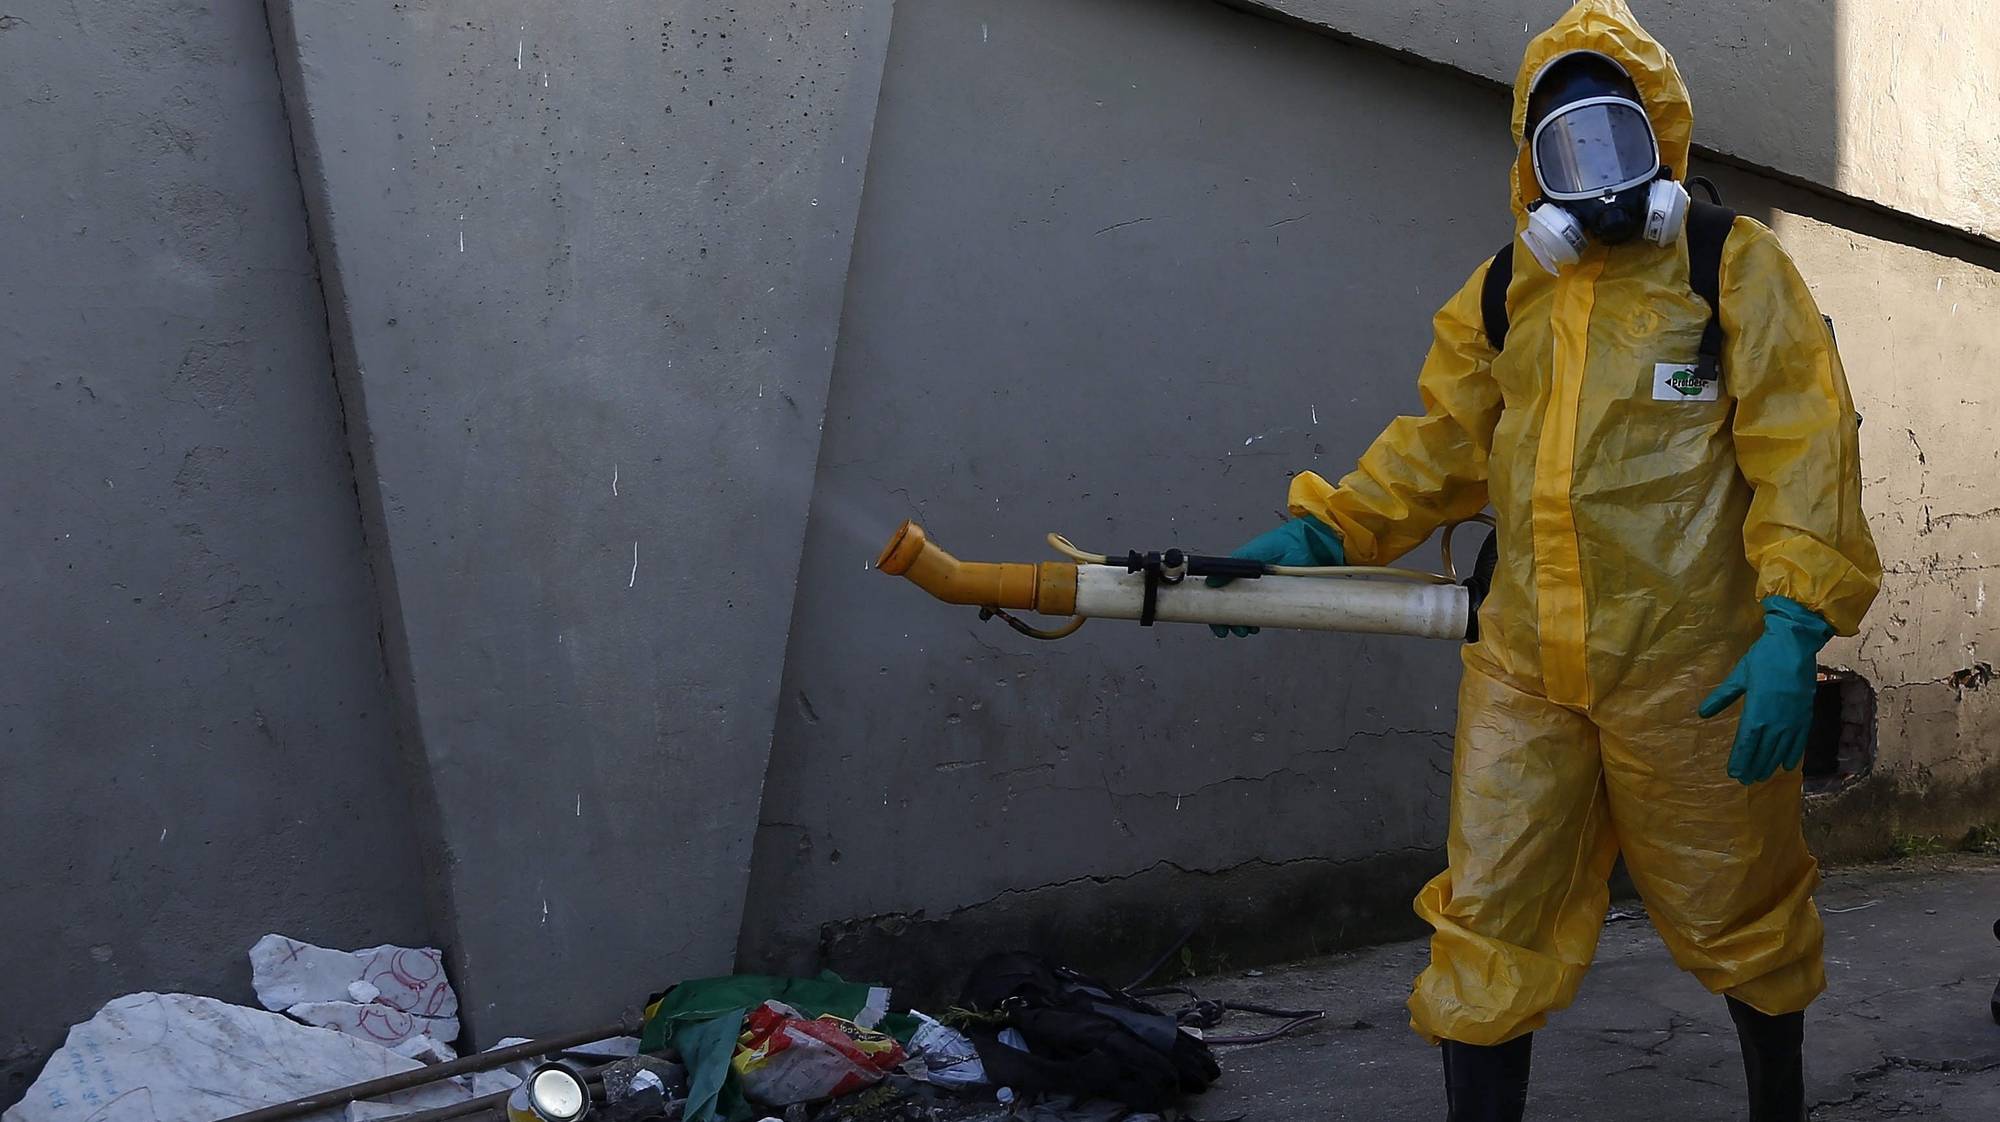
<point>1378,607</point>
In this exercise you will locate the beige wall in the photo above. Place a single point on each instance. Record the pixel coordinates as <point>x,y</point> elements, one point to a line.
<point>1896,102</point>
<point>1919,98</point>
<point>1920,335</point>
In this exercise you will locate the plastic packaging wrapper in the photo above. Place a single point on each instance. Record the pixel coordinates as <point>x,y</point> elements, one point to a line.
<point>702,1019</point>
<point>946,1055</point>
<point>783,1058</point>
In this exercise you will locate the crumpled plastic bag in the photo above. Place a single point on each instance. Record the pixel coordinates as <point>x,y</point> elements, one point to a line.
<point>948,1057</point>
<point>701,1020</point>
<point>783,1058</point>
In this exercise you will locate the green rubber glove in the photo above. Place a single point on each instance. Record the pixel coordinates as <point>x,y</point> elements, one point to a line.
<point>1776,678</point>
<point>1304,541</point>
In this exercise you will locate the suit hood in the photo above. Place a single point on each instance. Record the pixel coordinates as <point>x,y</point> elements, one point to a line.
<point>1608,28</point>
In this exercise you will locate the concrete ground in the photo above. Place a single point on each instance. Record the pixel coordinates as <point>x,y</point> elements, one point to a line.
<point>1904,1028</point>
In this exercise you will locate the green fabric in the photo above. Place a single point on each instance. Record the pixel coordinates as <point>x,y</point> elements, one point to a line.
<point>701,1020</point>
<point>1777,679</point>
<point>705,1047</point>
<point>1304,541</point>
<point>900,1027</point>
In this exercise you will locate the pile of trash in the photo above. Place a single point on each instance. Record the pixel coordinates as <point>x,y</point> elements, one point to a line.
<point>331,1019</point>
<point>357,1036</point>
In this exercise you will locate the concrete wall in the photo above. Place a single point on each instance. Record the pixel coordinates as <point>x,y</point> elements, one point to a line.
<point>1121,266</point>
<point>1894,103</point>
<point>1918,335</point>
<point>587,270</point>
<point>196,744</point>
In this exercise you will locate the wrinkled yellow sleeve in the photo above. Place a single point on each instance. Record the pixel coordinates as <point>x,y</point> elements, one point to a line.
<point>1425,470</point>
<point>1796,435</point>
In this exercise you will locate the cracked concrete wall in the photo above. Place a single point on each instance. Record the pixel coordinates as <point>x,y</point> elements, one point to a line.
<point>1920,336</point>
<point>1122,267</point>
<point>198,745</point>
<point>585,271</point>
<point>1893,103</point>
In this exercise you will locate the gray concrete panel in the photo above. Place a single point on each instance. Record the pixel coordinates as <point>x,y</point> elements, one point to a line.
<point>1122,268</point>
<point>589,267</point>
<point>196,744</point>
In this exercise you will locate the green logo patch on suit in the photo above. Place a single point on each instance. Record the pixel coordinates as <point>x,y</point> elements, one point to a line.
<point>1679,381</point>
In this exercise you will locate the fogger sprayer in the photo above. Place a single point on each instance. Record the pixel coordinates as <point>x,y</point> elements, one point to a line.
<point>1161,586</point>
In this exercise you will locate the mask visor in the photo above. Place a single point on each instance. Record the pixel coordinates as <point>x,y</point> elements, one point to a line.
<point>1593,148</point>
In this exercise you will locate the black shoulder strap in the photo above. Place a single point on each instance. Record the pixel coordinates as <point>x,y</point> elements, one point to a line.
<point>1493,296</point>
<point>1708,228</point>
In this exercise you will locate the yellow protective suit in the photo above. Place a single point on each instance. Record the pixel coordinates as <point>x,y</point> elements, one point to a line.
<point>1636,538</point>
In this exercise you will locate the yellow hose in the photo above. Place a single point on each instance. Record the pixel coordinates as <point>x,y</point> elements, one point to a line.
<point>1068,549</point>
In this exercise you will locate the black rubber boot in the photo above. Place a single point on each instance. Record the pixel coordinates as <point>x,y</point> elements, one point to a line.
<point>1486,1083</point>
<point>1773,1062</point>
<point>1996,985</point>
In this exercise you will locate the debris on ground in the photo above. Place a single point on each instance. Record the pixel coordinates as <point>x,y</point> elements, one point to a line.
<point>596,1053</point>
<point>606,1050</point>
<point>382,1024</point>
<point>425,1049</point>
<point>1077,1035</point>
<point>172,1057</point>
<point>895,1099</point>
<point>643,1089</point>
<point>387,994</point>
<point>178,1058</point>
<point>645,1100</point>
<point>516,1072</point>
<point>371,1112</point>
<point>734,1049</point>
<point>482,1083</point>
<point>784,1058</point>
<point>1028,1038</point>
<point>948,1057</point>
<point>632,1077</point>
<point>700,1021</point>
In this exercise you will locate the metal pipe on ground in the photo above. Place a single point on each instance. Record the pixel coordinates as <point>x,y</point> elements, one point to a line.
<point>593,1081</point>
<point>404,1080</point>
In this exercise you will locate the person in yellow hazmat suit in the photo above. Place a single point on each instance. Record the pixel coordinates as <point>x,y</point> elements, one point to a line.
<point>1672,538</point>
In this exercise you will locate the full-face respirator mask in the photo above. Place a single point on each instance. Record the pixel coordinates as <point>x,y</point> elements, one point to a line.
<point>1597,162</point>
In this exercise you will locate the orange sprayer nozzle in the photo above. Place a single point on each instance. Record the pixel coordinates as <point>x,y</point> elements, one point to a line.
<point>1048,587</point>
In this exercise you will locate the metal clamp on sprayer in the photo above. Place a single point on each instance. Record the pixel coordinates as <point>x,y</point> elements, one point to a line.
<point>1175,566</point>
<point>1151,587</point>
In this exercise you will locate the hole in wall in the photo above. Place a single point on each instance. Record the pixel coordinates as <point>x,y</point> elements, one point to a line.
<point>1841,748</point>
